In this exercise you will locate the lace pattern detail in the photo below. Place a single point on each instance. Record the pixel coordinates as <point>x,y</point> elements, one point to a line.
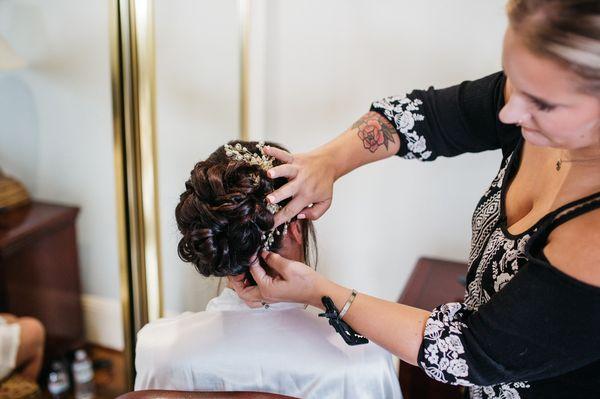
<point>442,346</point>
<point>500,391</point>
<point>487,213</point>
<point>494,260</point>
<point>405,114</point>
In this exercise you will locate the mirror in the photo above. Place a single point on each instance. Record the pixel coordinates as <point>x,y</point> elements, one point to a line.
<point>59,259</point>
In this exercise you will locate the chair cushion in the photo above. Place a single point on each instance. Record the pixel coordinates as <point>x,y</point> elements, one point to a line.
<point>163,394</point>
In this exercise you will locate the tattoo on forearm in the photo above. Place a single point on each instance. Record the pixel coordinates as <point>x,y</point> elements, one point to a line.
<point>374,131</point>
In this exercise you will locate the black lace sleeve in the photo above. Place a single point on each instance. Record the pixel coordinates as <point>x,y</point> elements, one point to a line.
<point>451,121</point>
<point>542,324</point>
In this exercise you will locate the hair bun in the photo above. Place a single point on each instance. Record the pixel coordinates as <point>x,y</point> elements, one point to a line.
<point>223,215</point>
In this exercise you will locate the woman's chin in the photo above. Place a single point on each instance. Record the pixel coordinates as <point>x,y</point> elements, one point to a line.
<point>536,138</point>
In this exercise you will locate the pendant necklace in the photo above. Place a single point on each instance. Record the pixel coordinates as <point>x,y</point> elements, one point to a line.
<point>561,161</point>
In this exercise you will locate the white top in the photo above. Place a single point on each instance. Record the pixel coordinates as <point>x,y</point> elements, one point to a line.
<point>284,349</point>
<point>10,337</point>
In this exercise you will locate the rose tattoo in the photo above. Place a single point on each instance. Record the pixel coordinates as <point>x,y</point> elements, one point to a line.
<point>374,131</point>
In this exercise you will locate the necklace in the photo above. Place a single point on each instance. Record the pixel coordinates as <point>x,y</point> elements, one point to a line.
<point>561,161</point>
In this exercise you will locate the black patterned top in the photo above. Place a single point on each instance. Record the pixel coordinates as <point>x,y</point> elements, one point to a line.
<point>525,329</point>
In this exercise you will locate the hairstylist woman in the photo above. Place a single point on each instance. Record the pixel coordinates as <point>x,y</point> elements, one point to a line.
<point>529,326</point>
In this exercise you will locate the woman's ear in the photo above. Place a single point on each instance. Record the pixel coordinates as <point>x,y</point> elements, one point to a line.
<point>295,231</point>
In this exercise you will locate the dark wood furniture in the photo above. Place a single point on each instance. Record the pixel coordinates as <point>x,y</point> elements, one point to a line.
<point>160,394</point>
<point>39,271</point>
<point>432,282</point>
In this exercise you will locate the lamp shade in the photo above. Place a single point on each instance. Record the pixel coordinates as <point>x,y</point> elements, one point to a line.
<point>8,58</point>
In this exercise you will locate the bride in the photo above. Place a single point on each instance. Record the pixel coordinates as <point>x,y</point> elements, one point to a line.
<point>225,220</point>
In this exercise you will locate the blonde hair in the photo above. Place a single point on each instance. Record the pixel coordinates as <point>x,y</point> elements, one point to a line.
<point>566,31</point>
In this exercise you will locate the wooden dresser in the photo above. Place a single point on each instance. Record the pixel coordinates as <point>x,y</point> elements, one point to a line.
<point>432,283</point>
<point>39,271</point>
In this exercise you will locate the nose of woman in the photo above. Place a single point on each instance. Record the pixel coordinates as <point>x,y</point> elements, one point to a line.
<point>515,112</point>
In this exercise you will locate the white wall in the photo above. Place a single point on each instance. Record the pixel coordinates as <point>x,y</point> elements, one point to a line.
<point>197,73</point>
<point>56,126</point>
<point>326,61</point>
<point>320,64</point>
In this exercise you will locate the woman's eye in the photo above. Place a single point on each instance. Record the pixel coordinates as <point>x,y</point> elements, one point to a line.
<point>543,106</point>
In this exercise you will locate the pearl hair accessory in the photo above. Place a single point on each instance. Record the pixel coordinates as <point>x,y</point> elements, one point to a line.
<point>241,153</point>
<point>265,162</point>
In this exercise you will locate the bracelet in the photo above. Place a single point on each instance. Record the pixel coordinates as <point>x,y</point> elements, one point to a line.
<point>347,304</point>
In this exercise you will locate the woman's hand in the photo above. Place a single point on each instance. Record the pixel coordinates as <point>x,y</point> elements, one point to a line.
<point>311,177</point>
<point>295,282</point>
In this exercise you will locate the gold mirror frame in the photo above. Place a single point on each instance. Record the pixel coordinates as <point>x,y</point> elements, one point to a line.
<point>134,115</point>
<point>244,24</point>
<point>133,91</point>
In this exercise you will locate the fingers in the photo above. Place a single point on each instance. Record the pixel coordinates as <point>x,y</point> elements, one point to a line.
<point>259,304</point>
<point>236,283</point>
<point>275,261</point>
<point>251,294</point>
<point>239,277</point>
<point>285,170</point>
<point>316,211</point>
<point>255,305</point>
<point>290,210</point>
<point>278,153</point>
<point>260,275</point>
<point>283,192</point>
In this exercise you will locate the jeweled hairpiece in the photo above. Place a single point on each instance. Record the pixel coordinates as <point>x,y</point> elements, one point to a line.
<point>240,153</point>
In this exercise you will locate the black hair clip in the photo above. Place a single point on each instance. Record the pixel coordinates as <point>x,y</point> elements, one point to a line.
<point>350,336</point>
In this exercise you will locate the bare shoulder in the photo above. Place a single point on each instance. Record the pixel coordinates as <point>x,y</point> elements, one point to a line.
<point>574,248</point>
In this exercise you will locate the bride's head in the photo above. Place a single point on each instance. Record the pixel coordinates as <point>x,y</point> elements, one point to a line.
<point>224,217</point>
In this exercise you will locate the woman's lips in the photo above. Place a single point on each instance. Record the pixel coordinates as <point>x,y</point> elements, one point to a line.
<point>529,130</point>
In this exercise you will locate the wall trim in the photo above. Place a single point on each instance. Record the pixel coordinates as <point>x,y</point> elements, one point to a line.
<point>103,321</point>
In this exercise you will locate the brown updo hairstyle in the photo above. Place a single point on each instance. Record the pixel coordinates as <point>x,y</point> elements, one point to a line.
<point>222,214</point>
<point>565,31</point>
